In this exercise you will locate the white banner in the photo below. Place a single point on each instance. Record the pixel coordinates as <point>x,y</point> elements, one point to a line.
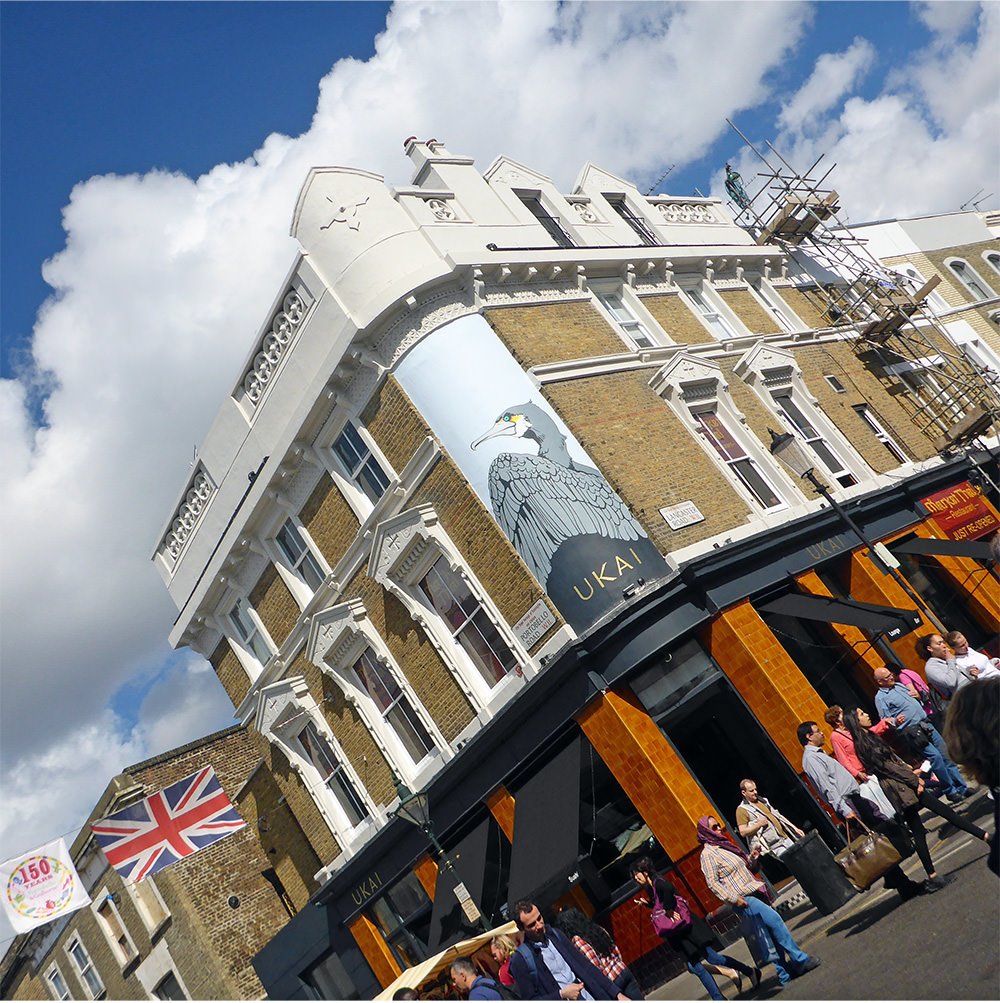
<point>41,886</point>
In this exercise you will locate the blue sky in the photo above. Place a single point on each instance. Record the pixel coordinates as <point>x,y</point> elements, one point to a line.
<point>152,155</point>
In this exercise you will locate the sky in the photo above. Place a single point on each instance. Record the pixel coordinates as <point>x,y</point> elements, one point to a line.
<point>151,159</point>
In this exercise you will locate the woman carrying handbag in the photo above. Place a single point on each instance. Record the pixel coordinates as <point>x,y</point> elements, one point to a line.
<point>689,935</point>
<point>904,788</point>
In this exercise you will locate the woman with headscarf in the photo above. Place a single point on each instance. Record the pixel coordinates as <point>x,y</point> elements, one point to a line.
<point>696,943</point>
<point>598,947</point>
<point>728,870</point>
<point>904,787</point>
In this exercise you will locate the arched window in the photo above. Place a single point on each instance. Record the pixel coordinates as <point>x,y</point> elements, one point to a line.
<point>965,274</point>
<point>992,258</point>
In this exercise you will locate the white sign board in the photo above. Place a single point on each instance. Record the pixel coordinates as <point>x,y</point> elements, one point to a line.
<point>534,624</point>
<point>684,514</point>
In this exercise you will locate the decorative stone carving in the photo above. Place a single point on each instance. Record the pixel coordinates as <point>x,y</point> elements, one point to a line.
<point>348,214</point>
<point>686,212</point>
<point>273,346</point>
<point>188,513</point>
<point>441,209</point>
<point>586,214</point>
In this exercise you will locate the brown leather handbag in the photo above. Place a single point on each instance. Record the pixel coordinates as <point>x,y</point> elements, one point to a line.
<point>866,858</point>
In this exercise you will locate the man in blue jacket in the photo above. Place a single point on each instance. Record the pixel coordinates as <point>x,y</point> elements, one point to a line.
<point>548,967</point>
<point>467,979</point>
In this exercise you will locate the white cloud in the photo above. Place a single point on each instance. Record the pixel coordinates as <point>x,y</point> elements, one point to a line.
<point>927,142</point>
<point>947,17</point>
<point>165,279</point>
<point>834,76</point>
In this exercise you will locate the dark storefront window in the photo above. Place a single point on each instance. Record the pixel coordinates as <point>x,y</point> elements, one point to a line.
<point>403,915</point>
<point>823,658</point>
<point>720,741</point>
<point>940,593</point>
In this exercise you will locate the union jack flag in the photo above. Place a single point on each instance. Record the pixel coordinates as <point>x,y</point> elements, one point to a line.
<point>167,826</point>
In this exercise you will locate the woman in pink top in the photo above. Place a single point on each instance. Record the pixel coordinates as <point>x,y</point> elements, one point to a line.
<point>843,744</point>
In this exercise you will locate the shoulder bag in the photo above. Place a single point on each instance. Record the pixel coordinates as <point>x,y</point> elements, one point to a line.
<point>867,857</point>
<point>669,924</point>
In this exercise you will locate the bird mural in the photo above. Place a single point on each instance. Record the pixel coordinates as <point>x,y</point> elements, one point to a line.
<point>570,528</point>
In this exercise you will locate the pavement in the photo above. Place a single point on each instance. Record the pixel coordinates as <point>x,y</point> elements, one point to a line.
<point>877,947</point>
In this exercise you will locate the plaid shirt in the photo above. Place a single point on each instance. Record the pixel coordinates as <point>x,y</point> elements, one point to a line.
<point>727,875</point>
<point>612,965</point>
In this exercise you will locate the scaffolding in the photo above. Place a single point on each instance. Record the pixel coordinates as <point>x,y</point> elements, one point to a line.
<point>890,325</point>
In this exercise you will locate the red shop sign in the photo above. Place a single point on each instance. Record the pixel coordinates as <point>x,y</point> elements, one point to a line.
<point>961,512</point>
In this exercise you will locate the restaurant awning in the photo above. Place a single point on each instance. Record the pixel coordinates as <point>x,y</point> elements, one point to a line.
<point>978,549</point>
<point>431,968</point>
<point>889,621</point>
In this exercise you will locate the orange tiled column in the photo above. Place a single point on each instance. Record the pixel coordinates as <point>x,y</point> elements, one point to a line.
<point>868,657</point>
<point>765,676</point>
<point>969,577</point>
<point>648,769</point>
<point>868,584</point>
<point>426,871</point>
<point>375,950</point>
<point>501,806</point>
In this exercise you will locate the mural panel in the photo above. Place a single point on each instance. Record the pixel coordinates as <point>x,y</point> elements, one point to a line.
<point>571,529</point>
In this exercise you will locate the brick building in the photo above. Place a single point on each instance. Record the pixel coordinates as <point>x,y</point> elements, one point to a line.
<point>190,931</point>
<point>491,513</point>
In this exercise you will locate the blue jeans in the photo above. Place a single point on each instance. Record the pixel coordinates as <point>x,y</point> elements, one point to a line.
<point>713,957</point>
<point>947,772</point>
<point>790,955</point>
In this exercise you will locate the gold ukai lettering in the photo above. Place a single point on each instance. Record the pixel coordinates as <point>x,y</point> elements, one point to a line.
<point>581,595</point>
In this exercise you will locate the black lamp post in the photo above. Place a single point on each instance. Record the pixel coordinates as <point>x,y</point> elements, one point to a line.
<point>415,809</point>
<point>787,448</point>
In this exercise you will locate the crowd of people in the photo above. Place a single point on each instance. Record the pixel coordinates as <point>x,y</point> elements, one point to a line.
<point>880,775</point>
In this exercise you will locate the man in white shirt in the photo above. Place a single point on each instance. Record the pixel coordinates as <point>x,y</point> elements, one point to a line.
<point>970,662</point>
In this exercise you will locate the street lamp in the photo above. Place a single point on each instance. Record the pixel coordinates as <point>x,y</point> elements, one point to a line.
<point>416,809</point>
<point>787,448</point>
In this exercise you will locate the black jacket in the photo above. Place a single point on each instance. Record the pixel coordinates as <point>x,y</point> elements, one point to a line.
<point>541,985</point>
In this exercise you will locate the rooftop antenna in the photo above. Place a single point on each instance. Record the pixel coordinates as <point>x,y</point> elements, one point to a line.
<point>662,176</point>
<point>974,201</point>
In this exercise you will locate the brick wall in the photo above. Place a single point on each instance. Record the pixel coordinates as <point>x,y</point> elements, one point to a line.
<point>647,455</point>
<point>677,319</point>
<point>554,332</point>
<point>329,520</point>
<point>230,671</point>
<point>394,423</point>
<point>807,303</point>
<point>753,316</point>
<point>274,604</point>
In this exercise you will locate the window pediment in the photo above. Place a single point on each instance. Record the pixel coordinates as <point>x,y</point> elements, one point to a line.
<point>402,545</point>
<point>277,703</point>
<point>336,632</point>
<point>689,379</point>
<point>767,366</point>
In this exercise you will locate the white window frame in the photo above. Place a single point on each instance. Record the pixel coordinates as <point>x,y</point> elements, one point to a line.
<point>338,637</point>
<point>89,967</point>
<point>52,973</point>
<point>635,316</point>
<point>525,195</point>
<point>835,383</point>
<point>140,893</point>
<point>163,978</point>
<point>403,550</point>
<point>100,903</point>
<point>634,218</point>
<point>247,656</point>
<point>713,312</point>
<point>283,710</point>
<point>774,372</point>
<point>767,296</point>
<point>992,259</point>
<point>355,496</point>
<point>691,386</point>
<point>970,280</point>
<point>290,571</point>
<point>864,412</point>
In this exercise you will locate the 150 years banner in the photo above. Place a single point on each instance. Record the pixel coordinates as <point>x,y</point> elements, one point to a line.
<point>571,529</point>
<point>41,886</point>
